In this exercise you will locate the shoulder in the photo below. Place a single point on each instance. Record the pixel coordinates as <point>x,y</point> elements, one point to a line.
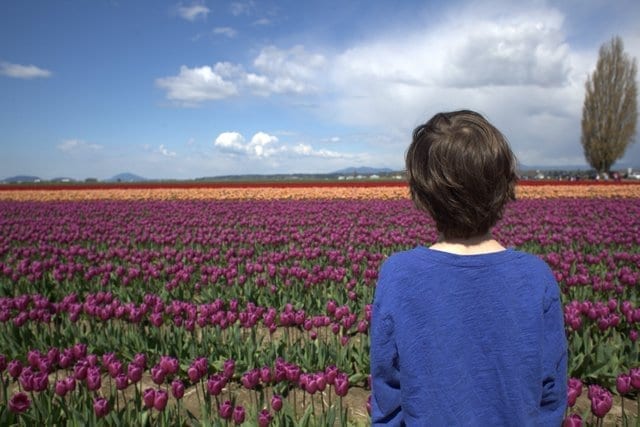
<point>396,268</point>
<point>399,262</point>
<point>535,267</point>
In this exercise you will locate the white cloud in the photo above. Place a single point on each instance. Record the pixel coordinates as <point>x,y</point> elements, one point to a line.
<point>292,71</point>
<point>165,152</point>
<point>77,145</point>
<point>262,21</point>
<point>193,11</point>
<point>225,31</point>
<point>238,8</point>
<point>263,145</point>
<point>230,141</point>
<point>518,69</point>
<point>307,150</point>
<point>23,71</point>
<point>193,85</point>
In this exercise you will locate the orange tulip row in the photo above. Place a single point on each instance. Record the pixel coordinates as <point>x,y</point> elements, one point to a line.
<point>325,192</point>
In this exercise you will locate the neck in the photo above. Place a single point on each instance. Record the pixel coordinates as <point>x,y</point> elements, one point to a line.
<point>472,246</point>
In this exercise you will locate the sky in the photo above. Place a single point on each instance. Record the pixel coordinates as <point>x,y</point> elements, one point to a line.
<point>201,88</point>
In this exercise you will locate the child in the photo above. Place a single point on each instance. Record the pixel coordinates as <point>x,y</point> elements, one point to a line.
<point>466,332</point>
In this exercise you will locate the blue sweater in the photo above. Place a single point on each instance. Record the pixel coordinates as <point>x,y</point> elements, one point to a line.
<point>472,340</point>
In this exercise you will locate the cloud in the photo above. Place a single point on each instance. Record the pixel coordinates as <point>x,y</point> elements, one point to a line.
<point>518,69</point>
<point>307,150</point>
<point>23,71</point>
<point>165,152</point>
<point>238,8</point>
<point>261,144</point>
<point>262,21</point>
<point>193,85</point>
<point>225,31</point>
<point>193,11</point>
<point>230,141</point>
<point>293,71</point>
<point>78,145</point>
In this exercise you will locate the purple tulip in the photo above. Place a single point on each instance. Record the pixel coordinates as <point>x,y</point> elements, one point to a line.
<point>157,375</point>
<point>623,384</point>
<point>40,381</point>
<point>238,415</point>
<point>202,365</point>
<point>66,360</point>
<point>134,372</point>
<point>228,368</point>
<point>60,388</point>
<point>276,402</point>
<point>26,379</point>
<point>80,370</point>
<point>148,397</point>
<point>169,365</point>
<point>94,379</point>
<point>177,388</point>
<point>14,368</point>
<point>92,360</point>
<point>635,378</point>
<point>194,374</point>
<point>3,363</point>
<point>226,410</point>
<point>265,374</point>
<point>70,382</point>
<point>264,418</point>
<point>122,381</point>
<point>160,400</point>
<point>601,400</point>
<point>19,403</point>
<point>140,359</point>
<point>79,351</point>
<point>573,420</point>
<point>114,368</point>
<point>215,384</point>
<point>331,372</point>
<point>101,407</point>
<point>342,384</point>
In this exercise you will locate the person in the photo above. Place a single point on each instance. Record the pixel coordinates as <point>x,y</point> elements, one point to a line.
<point>466,331</point>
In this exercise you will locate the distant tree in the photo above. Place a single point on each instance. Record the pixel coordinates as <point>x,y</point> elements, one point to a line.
<point>610,110</point>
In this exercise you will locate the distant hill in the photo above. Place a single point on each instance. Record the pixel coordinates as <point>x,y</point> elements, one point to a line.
<point>21,178</point>
<point>126,177</point>
<point>362,170</point>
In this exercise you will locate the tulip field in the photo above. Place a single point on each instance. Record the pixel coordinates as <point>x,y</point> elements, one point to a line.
<point>216,305</point>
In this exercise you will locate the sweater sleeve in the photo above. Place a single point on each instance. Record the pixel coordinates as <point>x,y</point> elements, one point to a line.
<point>553,401</point>
<point>385,384</point>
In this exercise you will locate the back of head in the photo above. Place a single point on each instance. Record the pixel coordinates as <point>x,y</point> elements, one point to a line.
<point>462,172</point>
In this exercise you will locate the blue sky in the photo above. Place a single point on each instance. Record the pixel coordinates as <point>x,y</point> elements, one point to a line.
<point>167,89</point>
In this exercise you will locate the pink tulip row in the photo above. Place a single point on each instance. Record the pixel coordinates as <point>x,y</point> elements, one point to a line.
<point>606,315</point>
<point>103,306</point>
<point>76,369</point>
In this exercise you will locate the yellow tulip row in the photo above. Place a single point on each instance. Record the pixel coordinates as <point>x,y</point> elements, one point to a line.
<point>523,191</point>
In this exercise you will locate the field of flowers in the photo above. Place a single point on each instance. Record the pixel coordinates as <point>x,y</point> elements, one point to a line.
<point>250,304</point>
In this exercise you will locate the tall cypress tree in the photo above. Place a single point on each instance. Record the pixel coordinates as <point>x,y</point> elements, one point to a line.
<point>610,110</point>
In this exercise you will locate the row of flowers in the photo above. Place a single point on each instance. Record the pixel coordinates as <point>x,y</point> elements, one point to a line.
<point>310,191</point>
<point>79,379</point>
<point>101,380</point>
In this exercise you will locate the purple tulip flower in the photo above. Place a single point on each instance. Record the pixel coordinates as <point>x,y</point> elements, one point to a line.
<point>101,407</point>
<point>19,403</point>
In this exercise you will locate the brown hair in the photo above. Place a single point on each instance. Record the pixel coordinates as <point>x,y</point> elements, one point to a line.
<point>462,172</point>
